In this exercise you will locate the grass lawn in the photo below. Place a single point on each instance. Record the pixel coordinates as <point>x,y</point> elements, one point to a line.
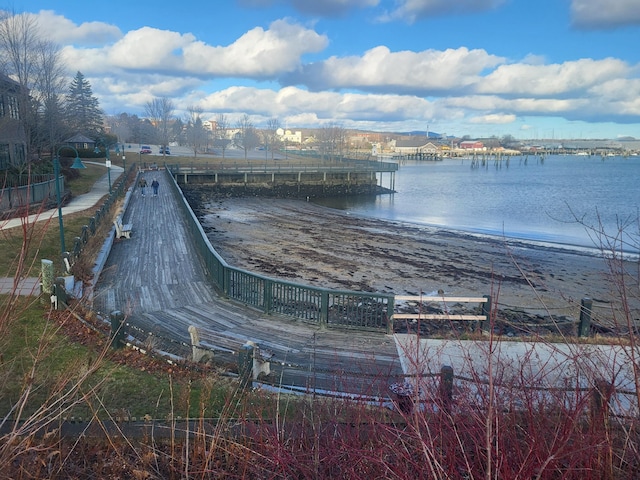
<point>41,240</point>
<point>55,362</point>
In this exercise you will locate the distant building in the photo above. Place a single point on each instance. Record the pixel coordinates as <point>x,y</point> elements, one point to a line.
<point>13,140</point>
<point>471,145</point>
<point>289,137</point>
<point>415,146</point>
<point>80,142</point>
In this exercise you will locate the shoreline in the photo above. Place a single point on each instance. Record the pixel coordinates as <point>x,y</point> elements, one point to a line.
<point>310,244</point>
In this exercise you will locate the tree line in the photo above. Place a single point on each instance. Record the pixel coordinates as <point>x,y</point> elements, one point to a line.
<point>51,108</point>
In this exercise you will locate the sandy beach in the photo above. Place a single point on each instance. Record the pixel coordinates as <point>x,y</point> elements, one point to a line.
<point>313,245</point>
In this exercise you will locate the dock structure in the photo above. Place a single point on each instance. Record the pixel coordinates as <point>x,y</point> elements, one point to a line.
<point>324,177</point>
<point>158,280</point>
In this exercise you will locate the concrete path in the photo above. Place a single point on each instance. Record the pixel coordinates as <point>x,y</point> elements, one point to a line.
<point>31,285</point>
<point>549,371</point>
<point>77,204</point>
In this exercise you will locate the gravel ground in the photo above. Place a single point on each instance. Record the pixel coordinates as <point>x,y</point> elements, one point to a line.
<point>313,245</point>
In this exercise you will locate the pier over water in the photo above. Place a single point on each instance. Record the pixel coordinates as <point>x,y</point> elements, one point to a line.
<point>359,176</point>
<point>167,278</point>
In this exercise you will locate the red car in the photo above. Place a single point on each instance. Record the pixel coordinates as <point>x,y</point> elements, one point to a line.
<point>145,149</point>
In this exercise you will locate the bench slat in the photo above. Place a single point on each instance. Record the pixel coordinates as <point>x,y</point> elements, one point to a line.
<point>441,316</point>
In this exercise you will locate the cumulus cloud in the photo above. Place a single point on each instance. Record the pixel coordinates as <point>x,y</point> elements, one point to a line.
<point>324,8</point>
<point>61,30</point>
<point>413,10</point>
<point>379,69</point>
<point>292,101</point>
<point>378,88</point>
<point>604,14</point>
<point>258,53</point>
<point>494,118</point>
<point>552,80</point>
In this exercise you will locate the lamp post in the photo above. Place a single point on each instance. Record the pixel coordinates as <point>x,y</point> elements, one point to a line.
<point>107,159</point>
<point>77,163</point>
<point>124,162</point>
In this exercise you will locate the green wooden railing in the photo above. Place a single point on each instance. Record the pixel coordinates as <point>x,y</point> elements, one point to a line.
<point>101,214</point>
<point>324,307</point>
<point>256,166</point>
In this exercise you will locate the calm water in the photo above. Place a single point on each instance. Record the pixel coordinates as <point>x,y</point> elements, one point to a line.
<point>528,198</point>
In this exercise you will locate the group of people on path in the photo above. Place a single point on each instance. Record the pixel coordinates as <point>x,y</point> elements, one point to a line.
<point>142,183</point>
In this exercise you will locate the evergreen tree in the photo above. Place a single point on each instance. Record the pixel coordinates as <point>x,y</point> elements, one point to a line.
<point>82,109</point>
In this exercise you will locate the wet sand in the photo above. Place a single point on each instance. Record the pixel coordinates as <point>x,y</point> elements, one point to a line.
<point>313,245</point>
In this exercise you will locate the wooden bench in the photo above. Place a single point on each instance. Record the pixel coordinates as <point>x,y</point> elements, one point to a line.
<point>122,230</point>
<point>444,301</point>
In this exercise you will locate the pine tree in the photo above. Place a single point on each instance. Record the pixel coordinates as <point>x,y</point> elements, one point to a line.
<point>82,109</point>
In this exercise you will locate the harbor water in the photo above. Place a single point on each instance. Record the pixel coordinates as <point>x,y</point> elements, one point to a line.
<point>567,201</point>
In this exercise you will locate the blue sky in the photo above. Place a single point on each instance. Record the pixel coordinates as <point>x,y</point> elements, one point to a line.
<point>531,69</point>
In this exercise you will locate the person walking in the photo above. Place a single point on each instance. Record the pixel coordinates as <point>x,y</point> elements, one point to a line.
<point>155,186</point>
<point>142,183</point>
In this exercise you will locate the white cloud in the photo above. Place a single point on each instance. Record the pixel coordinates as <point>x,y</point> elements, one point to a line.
<point>412,10</point>
<point>292,101</point>
<point>63,31</point>
<point>380,88</point>
<point>258,53</point>
<point>325,8</point>
<point>331,7</point>
<point>604,14</point>
<point>494,118</point>
<point>382,70</point>
<point>555,79</point>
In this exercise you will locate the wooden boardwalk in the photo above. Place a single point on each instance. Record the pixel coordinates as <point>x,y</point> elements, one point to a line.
<point>158,280</point>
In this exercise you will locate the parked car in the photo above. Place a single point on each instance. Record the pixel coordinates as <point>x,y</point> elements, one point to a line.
<point>145,149</point>
<point>165,150</point>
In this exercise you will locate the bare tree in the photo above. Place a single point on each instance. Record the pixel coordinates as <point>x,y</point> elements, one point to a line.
<point>271,137</point>
<point>160,112</point>
<point>196,134</point>
<point>220,139</point>
<point>121,126</point>
<point>47,97</point>
<point>332,140</point>
<point>247,137</point>
<point>20,44</point>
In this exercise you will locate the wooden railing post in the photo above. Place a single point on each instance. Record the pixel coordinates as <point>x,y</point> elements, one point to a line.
<point>446,387</point>
<point>245,365</point>
<point>117,328</point>
<point>584,327</point>
<point>486,311</point>
<point>324,310</point>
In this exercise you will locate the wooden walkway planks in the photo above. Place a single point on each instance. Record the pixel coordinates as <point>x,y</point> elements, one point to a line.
<point>159,281</point>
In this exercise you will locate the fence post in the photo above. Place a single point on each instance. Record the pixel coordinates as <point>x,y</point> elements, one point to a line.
<point>584,327</point>
<point>486,311</point>
<point>117,328</point>
<point>46,287</point>
<point>60,292</point>
<point>446,387</point>
<point>390,310</point>
<point>600,396</point>
<point>324,310</point>
<point>267,299</point>
<point>245,365</point>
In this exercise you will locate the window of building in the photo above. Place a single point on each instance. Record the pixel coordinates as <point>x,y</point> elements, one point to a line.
<point>18,154</point>
<point>5,159</point>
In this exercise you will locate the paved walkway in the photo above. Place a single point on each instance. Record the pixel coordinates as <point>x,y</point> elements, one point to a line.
<point>31,285</point>
<point>76,204</point>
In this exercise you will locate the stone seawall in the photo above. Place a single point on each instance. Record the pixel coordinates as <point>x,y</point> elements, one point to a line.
<point>302,191</point>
